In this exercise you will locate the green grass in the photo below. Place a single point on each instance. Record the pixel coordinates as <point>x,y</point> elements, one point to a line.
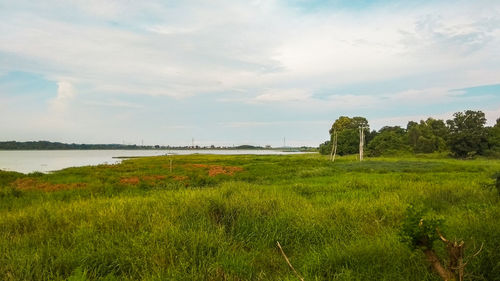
<point>335,221</point>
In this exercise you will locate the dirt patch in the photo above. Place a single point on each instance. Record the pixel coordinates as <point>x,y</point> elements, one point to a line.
<point>137,180</point>
<point>180,178</point>
<point>132,180</point>
<point>220,170</point>
<point>199,165</point>
<point>32,184</point>
<point>214,170</point>
<point>153,178</point>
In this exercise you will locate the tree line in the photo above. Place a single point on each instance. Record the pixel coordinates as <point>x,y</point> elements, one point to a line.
<point>47,145</point>
<point>463,136</point>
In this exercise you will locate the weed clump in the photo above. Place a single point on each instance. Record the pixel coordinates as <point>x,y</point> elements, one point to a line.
<point>418,229</point>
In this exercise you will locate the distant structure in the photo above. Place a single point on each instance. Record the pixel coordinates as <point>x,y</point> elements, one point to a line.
<point>361,142</point>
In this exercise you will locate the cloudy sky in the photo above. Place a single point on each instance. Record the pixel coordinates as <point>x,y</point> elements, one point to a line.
<point>239,72</point>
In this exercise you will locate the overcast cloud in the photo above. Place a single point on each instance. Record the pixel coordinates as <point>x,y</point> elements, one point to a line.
<point>239,72</point>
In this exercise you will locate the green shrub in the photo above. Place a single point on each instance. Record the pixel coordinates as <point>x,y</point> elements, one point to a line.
<point>419,229</point>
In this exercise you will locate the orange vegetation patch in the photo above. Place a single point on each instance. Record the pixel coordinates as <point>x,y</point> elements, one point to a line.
<point>153,178</point>
<point>136,180</point>
<point>214,170</point>
<point>180,178</point>
<point>33,184</point>
<point>228,170</point>
<point>132,180</point>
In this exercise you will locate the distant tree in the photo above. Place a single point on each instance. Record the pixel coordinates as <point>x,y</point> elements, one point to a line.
<point>339,126</point>
<point>325,148</point>
<point>464,136</point>
<point>46,145</point>
<point>396,129</point>
<point>437,138</point>
<point>468,136</point>
<point>348,133</point>
<point>357,122</point>
<point>493,138</point>
<point>427,136</point>
<point>389,140</point>
<point>348,141</point>
<point>437,127</point>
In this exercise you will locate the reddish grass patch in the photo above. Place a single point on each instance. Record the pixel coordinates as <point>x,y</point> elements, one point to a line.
<point>220,170</point>
<point>154,177</point>
<point>132,180</point>
<point>180,178</point>
<point>32,184</point>
<point>214,170</point>
<point>137,180</point>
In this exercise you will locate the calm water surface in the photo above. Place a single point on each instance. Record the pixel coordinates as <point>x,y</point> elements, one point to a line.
<point>27,161</point>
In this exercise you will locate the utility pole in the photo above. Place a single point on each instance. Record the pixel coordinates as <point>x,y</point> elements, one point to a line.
<point>334,146</point>
<point>361,142</point>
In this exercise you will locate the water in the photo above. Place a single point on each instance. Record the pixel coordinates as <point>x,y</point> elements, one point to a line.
<point>28,161</point>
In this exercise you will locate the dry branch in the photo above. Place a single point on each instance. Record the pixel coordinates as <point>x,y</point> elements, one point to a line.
<point>433,259</point>
<point>456,256</point>
<point>288,262</point>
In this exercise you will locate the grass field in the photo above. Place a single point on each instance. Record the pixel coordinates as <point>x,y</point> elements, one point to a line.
<point>212,217</point>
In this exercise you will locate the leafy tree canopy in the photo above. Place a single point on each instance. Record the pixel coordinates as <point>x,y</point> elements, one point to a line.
<point>348,133</point>
<point>468,135</point>
<point>464,136</point>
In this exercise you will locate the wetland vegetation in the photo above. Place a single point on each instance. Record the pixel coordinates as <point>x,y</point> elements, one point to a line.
<point>218,217</point>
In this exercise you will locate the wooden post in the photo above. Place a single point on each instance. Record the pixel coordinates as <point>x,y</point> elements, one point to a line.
<point>335,152</point>
<point>361,142</point>
<point>334,146</point>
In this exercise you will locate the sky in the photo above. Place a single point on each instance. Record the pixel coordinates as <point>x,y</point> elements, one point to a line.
<point>229,72</point>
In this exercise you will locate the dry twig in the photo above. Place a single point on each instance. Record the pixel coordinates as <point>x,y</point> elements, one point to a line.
<point>288,262</point>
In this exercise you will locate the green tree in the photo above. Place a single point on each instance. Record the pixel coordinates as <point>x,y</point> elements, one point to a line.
<point>325,148</point>
<point>343,122</point>
<point>468,136</point>
<point>493,138</point>
<point>348,133</point>
<point>414,133</point>
<point>389,140</point>
<point>427,136</point>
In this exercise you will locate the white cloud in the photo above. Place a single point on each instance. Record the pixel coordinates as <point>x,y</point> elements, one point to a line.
<point>286,95</point>
<point>231,45</point>
<point>304,99</point>
<point>113,103</point>
<point>492,116</point>
<point>65,94</point>
<point>272,123</point>
<point>425,96</point>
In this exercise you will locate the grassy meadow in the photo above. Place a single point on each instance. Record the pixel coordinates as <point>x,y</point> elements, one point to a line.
<point>209,217</point>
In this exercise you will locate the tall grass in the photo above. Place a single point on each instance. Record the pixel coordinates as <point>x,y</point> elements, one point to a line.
<point>335,221</point>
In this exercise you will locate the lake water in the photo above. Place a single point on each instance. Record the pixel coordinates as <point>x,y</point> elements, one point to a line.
<point>27,161</point>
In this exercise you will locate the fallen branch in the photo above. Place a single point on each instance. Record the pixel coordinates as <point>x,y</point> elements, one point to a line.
<point>288,262</point>
<point>433,259</point>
